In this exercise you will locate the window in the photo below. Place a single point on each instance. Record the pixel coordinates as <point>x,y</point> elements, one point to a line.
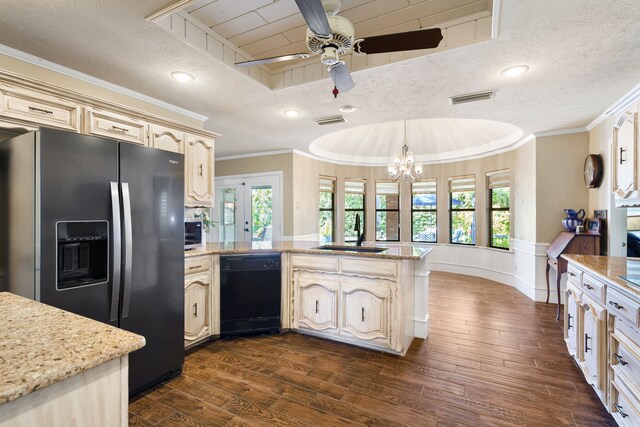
<point>462,210</point>
<point>499,204</point>
<point>327,208</point>
<point>423,212</point>
<point>387,211</point>
<point>354,203</point>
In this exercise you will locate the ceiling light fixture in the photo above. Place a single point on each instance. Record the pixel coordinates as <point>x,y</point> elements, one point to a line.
<point>291,113</point>
<point>403,166</point>
<point>182,77</point>
<point>515,71</point>
<point>347,109</point>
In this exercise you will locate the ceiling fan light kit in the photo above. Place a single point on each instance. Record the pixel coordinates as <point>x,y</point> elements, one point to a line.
<point>330,36</point>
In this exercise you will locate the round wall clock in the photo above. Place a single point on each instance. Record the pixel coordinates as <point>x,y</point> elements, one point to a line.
<point>593,170</point>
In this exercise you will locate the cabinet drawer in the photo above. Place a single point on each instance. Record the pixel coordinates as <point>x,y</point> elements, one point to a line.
<point>114,125</point>
<point>39,108</point>
<point>593,287</point>
<point>369,267</point>
<point>623,407</point>
<point>197,265</point>
<point>624,360</point>
<point>320,263</point>
<point>574,274</point>
<point>623,306</point>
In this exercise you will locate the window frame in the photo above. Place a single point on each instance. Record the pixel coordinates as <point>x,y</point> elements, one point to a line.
<point>434,210</point>
<point>333,206</point>
<point>387,210</point>
<point>452,210</point>
<point>363,210</point>
<point>498,179</point>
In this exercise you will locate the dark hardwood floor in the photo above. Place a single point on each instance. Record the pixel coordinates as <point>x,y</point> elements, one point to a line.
<point>493,358</point>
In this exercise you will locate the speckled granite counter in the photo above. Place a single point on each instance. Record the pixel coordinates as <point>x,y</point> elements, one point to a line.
<point>607,268</point>
<point>41,345</point>
<point>393,251</point>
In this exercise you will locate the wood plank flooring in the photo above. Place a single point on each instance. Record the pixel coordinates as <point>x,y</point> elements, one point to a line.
<point>493,358</point>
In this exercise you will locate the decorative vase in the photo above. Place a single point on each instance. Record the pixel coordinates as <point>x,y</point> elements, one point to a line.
<point>573,219</point>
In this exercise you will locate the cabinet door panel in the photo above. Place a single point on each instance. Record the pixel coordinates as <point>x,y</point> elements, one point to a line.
<point>625,157</point>
<point>590,341</point>
<point>317,302</point>
<point>199,176</point>
<point>572,326</point>
<point>366,313</point>
<point>166,139</point>
<point>39,107</point>
<point>196,307</point>
<point>112,125</point>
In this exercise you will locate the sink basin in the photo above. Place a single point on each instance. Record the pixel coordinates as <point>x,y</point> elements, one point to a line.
<point>366,249</point>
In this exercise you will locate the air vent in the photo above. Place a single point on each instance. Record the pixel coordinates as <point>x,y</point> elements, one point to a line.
<point>330,120</point>
<point>471,97</point>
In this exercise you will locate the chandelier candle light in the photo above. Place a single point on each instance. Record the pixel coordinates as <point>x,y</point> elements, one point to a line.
<point>403,165</point>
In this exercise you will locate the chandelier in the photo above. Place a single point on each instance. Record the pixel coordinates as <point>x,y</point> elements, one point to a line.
<point>403,165</point>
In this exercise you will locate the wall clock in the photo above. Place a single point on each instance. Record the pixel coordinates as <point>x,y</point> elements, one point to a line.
<point>593,168</point>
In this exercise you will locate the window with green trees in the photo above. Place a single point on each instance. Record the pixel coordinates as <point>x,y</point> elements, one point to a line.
<point>423,211</point>
<point>387,211</point>
<point>462,210</point>
<point>499,208</point>
<point>354,203</point>
<point>327,208</point>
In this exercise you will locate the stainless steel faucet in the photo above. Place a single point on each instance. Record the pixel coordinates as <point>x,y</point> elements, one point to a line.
<point>357,230</point>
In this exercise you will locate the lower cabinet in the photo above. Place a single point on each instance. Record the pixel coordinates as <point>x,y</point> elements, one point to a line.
<point>198,299</point>
<point>366,310</point>
<point>594,345</point>
<point>572,322</point>
<point>317,302</point>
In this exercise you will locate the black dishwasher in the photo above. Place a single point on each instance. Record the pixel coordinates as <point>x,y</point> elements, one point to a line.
<point>249,294</point>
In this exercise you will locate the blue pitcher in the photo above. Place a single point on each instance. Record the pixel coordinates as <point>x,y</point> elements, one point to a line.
<point>573,219</point>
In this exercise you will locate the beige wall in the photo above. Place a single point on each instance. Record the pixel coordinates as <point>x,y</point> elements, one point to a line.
<point>259,164</point>
<point>524,189</point>
<point>559,181</point>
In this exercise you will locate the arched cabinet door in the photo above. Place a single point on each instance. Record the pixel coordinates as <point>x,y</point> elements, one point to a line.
<point>366,308</point>
<point>316,302</point>
<point>624,155</point>
<point>167,139</point>
<point>196,308</point>
<point>199,173</point>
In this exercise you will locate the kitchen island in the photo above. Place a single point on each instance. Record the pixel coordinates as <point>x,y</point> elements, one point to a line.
<point>371,299</point>
<point>61,369</point>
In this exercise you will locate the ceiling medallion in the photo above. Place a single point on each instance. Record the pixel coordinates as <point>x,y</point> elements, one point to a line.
<point>403,165</point>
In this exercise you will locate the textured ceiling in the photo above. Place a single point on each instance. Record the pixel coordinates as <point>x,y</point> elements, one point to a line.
<point>583,56</point>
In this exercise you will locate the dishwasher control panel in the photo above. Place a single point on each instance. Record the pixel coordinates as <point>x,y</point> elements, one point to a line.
<point>249,262</point>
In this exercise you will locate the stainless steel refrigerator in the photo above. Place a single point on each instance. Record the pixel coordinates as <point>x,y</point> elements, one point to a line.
<point>96,227</point>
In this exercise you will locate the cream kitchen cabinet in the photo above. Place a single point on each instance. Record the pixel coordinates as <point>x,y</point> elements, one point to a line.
<point>34,106</point>
<point>366,310</point>
<point>114,125</point>
<point>198,286</point>
<point>594,344</point>
<point>316,302</point>
<point>199,172</point>
<point>165,138</point>
<point>573,322</point>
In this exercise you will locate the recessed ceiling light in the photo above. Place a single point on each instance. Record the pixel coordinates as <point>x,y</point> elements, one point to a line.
<point>292,113</point>
<point>515,71</point>
<point>182,77</point>
<point>347,109</point>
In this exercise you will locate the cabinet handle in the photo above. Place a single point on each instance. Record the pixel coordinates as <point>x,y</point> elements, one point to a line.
<point>571,274</point>
<point>317,306</point>
<point>363,314</point>
<point>620,359</point>
<point>569,321</point>
<point>119,129</point>
<point>622,151</point>
<point>588,286</point>
<point>194,267</point>
<point>195,310</point>
<point>200,169</point>
<point>619,408</point>
<point>616,305</point>
<point>569,292</point>
<point>586,342</point>
<point>40,110</point>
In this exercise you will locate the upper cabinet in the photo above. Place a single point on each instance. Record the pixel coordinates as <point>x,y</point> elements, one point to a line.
<point>166,139</point>
<point>30,105</point>
<point>113,125</point>
<point>626,159</point>
<point>199,173</point>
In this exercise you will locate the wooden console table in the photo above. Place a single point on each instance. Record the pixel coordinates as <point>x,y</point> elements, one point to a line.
<point>569,243</point>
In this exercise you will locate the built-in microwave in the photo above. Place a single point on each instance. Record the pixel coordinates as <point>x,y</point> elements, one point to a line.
<point>192,234</point>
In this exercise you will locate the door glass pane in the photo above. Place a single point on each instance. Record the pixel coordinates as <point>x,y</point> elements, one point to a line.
<point>261,213</point>
<point>228,212</point>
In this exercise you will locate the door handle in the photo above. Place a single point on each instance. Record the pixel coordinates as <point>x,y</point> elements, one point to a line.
<point>586,342</point>
<point>195,310</point>
<point>117,251</point>
<point>200,167</point>
<point>569,321</point>
<point>246,229</point>
<point>622,151</point>
<point>317,306</point>
<point>128,247</point>
<point>363,314</point>
<point>620,359</point>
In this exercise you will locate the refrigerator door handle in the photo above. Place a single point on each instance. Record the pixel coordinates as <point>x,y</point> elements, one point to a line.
<point>128,246</point>
<point>117,251</point>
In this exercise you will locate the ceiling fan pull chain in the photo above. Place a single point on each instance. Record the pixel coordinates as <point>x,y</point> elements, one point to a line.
<point>335,91</point>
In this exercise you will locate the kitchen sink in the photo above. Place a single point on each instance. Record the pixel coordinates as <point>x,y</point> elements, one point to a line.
<point>366,249</point>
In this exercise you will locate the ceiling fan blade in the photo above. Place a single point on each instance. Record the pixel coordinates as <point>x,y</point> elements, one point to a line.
<point>340,75</point>
<point>315,16</point>
<point>272,59</point>
<point>421,39</point>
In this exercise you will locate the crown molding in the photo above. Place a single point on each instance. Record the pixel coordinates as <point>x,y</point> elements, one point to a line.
<point>626,101</point>
<point>559,132</point>
<point>261,154</point>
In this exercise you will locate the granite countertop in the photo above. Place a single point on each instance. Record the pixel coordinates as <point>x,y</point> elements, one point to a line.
<point>393,251</point>
<point>609,268</point>
<point>41,345</point>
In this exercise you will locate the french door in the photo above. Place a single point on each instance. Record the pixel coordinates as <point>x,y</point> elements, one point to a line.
<point>249,208</point>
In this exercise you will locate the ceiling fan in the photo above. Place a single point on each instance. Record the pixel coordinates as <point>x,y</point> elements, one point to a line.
<point>330,36</point>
